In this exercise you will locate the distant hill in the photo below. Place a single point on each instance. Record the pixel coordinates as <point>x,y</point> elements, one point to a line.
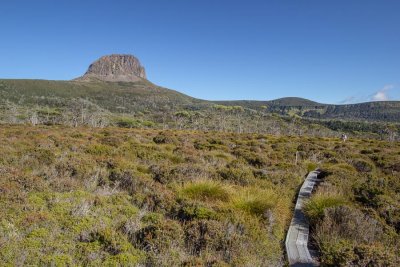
<point>277,103</point>
<point>286,101</point>
<point>384,111</point>
<point>293,101</point>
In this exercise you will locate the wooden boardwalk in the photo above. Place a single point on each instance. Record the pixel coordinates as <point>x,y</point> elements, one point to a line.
<point>296,243</point>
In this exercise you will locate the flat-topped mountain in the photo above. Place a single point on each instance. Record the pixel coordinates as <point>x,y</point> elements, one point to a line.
<point>115,68</point>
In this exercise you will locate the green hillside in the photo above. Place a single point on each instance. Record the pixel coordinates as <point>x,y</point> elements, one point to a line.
<point>111,96</point>
<point>142,104</point>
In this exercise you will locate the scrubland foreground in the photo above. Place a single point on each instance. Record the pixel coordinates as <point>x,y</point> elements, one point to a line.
<point>130,197</point>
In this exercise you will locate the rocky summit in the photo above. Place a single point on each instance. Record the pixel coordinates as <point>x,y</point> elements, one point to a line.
<point>115,68</point>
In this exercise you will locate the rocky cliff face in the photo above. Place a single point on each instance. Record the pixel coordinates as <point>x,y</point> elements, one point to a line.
<point>115,68</point>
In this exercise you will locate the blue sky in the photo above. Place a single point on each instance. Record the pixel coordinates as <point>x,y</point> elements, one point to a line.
<point>338,51</point>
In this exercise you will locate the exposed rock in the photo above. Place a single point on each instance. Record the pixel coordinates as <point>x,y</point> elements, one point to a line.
<point>115,68</point>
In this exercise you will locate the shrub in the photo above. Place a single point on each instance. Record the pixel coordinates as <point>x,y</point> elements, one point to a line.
<point>350,223</point>
<point>44,156</point>
<point>251,158</point>
<point>158,236</point>
<point>148,124</point>
<point>237,173</point>
<point>337,253</point>
<point>346,236</point>
<point>111,141</point>
<point>123,259</point>
<point>366,151</point>
<point>164,138</point>
<point>127,123</point>
<point>152,218</point>
<point>375,255</point>
<point>161,173</point>
<point>203,145</point>
<point>60,260</point>
<point>396,167</point>
<point>368,193</point>
<point>204,235</point>
<point>362,166</point>
<point>190,212</point>
<point>311,166</point>
<point>98,149</point>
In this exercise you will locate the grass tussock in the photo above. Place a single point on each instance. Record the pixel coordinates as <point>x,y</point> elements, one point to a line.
<point>255,201</point>
<point>206,190</point>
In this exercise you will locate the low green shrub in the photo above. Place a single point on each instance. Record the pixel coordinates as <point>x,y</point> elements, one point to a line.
<point>369,192</point>
<point>311,166</point>
<point>127,123</point>
<point>98,149</point>
<point>254,159</point>
<point>198,212</point>
<point>164,138</point>
<point>337,253</point>
<point>362,165</point>
<point>237,173</point>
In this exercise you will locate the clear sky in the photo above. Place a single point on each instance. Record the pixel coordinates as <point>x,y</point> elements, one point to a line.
<point>331,51</point>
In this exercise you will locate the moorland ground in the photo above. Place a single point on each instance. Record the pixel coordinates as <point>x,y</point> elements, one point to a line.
<point>109,196</point>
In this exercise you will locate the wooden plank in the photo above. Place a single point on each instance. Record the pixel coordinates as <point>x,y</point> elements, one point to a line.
<point>297,237</point>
